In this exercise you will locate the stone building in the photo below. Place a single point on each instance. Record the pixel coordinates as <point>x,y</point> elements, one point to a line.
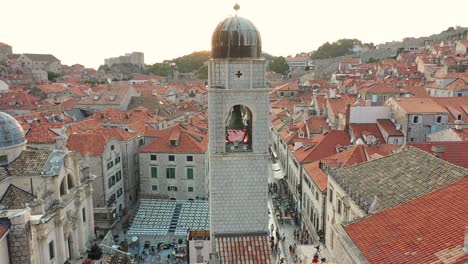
<point>365,189</point>
<point>46,62</point>
<point>46,201</point>
<point>5,50</point>
<point>405,229</point>
<point>173,165</point>
<point>419,117</point>
<point>102,157</point>
<point>238,144</point>
<point>116,96</point>
<point>137,58</point>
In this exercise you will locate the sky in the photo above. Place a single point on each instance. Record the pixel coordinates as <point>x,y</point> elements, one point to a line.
<point>87,31</point>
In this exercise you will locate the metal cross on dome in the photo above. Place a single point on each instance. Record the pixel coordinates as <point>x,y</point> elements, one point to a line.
<point>238,74</point>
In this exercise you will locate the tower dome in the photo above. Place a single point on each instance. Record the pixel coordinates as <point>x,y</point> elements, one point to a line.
<point>236,37</point>
<point>12,139</point>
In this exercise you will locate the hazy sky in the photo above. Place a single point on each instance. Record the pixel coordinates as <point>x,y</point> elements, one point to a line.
<point>87,31</point>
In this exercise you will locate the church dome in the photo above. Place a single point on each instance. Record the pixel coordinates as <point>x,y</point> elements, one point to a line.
<point>11,132</point>
<point>236,37</point>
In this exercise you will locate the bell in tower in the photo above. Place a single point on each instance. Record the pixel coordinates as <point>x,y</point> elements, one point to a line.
<point>239,129</point>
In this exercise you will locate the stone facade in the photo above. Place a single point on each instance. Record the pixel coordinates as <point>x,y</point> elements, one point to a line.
<point>313,205</point>
<point>5,50</point>
<point>45,62</point>
<point>137,58</point>
<point>108,198</point>
<point>416,126</point>
<point>56,224</point>
<point>156,183</point>
<point>238,180</point>
<point>339,209</point>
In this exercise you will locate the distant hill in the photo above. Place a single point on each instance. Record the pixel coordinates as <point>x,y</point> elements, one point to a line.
<point>389,49</point>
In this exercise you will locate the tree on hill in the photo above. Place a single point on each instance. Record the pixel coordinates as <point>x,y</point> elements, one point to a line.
<point>278,65</point>
<point>338,48</point>
<point>161,69</point>
<point>203,72</point>
<point>267,56</point>
<point>191,62</point>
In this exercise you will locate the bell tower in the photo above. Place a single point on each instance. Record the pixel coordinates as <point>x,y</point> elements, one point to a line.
<point>238,130</point>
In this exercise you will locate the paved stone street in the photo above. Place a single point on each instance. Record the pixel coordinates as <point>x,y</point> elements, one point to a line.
<point>304,253</point>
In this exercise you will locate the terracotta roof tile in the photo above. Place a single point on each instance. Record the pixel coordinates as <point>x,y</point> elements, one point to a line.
<point>188,142</point>
<point>419,105</point>
<point>321,146</point>
<point>18,100</point>
<point>51,88</point>
<point>235,249</point>
<point>360,130</point>
<point>319,177</point>
<point>428,229</point>
<point>397,178</point>
<point>338,104</point>
<point>87,144</point>
<point>388,126</point>
<point>454,152</point>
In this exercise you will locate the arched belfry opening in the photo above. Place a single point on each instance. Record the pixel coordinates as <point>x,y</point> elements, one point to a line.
<point>239,129</point>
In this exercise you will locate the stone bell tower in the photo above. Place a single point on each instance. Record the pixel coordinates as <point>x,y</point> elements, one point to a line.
<point>238,130</point>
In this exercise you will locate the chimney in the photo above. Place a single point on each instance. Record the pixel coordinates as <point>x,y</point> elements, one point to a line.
<point>332,93</point>
<point>438,151</point>
<point>348,113</point>
<point>458,125</point>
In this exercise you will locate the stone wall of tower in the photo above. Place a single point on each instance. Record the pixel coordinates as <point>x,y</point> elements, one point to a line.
<point>238,193</point>
<point>238,180</point>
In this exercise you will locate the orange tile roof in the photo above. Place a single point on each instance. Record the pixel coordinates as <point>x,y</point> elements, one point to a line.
<point>454,106</point>
<point>339,104</point>
<point>252,248</point>
<point>18,100</point>
<point>419,105</point>
<point>319,177</point>
<point>290,86</point>
<point>388,126</point>
<point>454,152</point>
<point>381,88</point>
<point>41,133</point>
<point>321,146</point>
<point>117,116</point>
<point>51,88</point>
<point>366,129</point>
<point>428,229</point>
<point>188,142</point>
<point>317,125</point>
<point>87,143</point>
<point>417,91</point>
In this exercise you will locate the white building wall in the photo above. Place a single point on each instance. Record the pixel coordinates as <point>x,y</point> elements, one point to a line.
<point>4,259</point>
<point>368,114</point>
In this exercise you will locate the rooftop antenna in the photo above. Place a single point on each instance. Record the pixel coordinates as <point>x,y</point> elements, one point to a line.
<point>236,7</point>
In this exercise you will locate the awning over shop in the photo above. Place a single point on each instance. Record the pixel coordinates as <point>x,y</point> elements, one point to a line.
<point>278,173</point>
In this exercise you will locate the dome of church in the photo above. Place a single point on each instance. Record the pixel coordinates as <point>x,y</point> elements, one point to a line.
<point>236,37</point>
<point>11,132</point>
